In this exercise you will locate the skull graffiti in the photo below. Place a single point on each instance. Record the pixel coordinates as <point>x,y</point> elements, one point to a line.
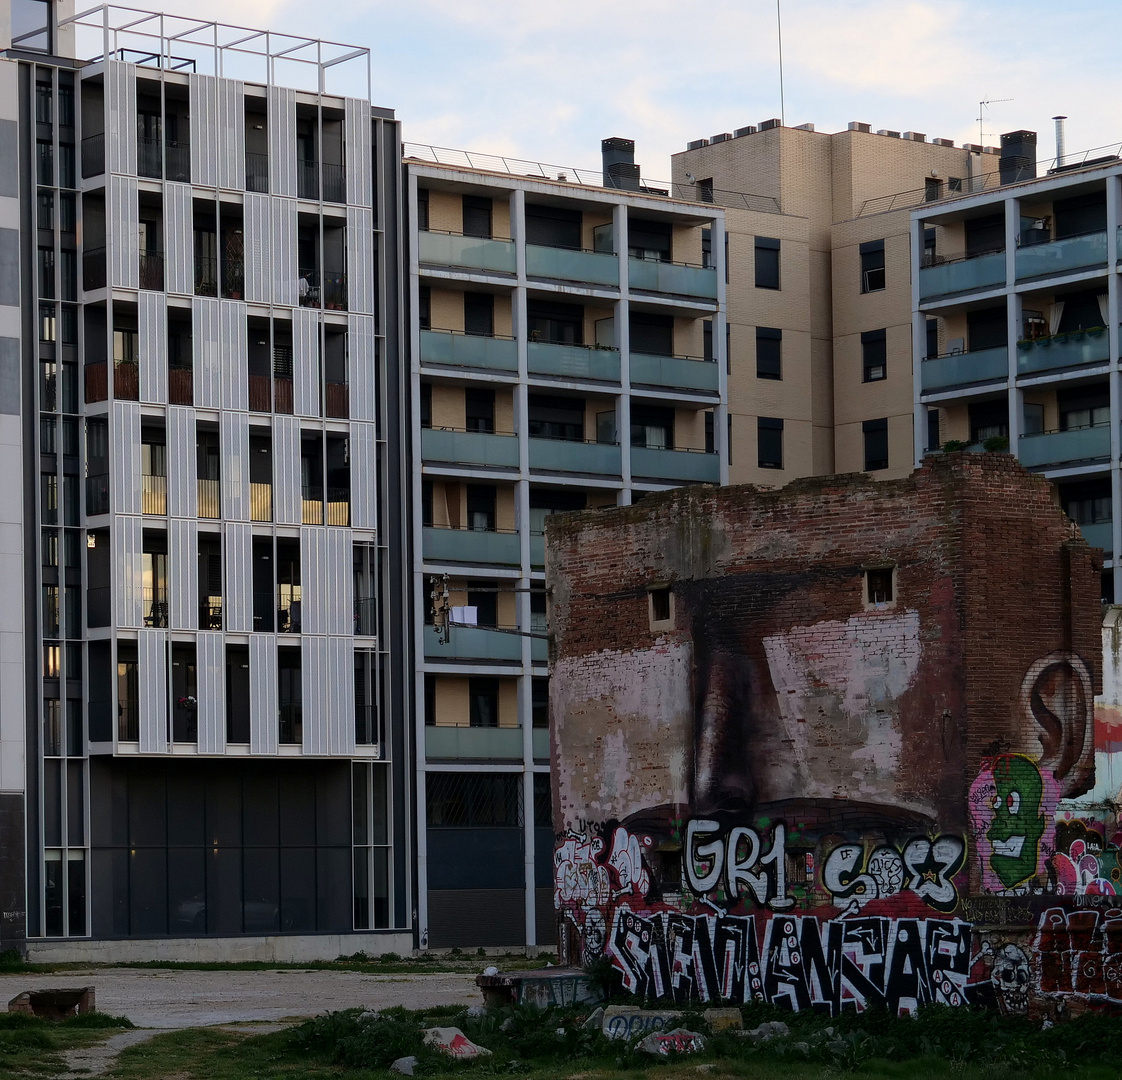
<point>1010,976</point>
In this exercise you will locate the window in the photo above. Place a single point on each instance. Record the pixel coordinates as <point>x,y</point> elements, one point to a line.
<point>1087,406</point>
<point>874,356</point>
<point>934,439</point>
<point>705,190</point>
<point>707,244</point>
<point>422,209</point>
<point>652,427</point>
<point>31,25</point>
<point>769,347</point>
<point>988,420</point>
<point>479,314</point>
<point>875,433</point>
<point>477,216</point>
<point>932,189</point>
<point>1033,418</point>
<point>555,417</point>
<point>707,339</point>
<point>484,597</point>
<point>651,334</point>
<point>767,263</point>
<point>872,266</point>
<point>932,328</point>
<point>559,324</point>
<point>430,701</point>
<point>660,601</point>
<point>710,434</point>
<point>649,240</point>
<point>479,409</point>
<point>1087,502</point>
<point>986,328</point>
<point>480,507</point>
<point>879,585</point>
<point>424,307</point>
<point>426,405</point>
<point>552,226</point>
<point>483,702</point>
<point>769,442</point>
<point>539,701</point>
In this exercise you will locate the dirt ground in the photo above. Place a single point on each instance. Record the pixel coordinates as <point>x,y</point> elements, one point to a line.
<point>152,998</point>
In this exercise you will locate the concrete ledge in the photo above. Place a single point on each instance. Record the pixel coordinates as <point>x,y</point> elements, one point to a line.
<point>280,948</point>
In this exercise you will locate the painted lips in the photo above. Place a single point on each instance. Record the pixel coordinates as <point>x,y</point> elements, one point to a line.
<point>1010,848</point>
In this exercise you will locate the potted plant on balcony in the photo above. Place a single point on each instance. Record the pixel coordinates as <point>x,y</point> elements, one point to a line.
<point>1096,331</point>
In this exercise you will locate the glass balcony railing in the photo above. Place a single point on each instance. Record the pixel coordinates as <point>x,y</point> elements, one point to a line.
<point>1100,534</point>
<point>469,252</point>
<point>473,643</point>
<point>569,455</point>
<point>681,279</point>
<point>537,549</point>
<point>567,264</point>
<point>1063,351</point>
<point>964,369</point>
<point>539,738</point>
<point>1059,447</point>
<point>962,275</point>
<point>573,361</point>
<point>474,743</point>
<point>539,650</point>
<point>455,349</point>
<point>469,447</point>
<point>687,466</point>
<point>679,372</point>
<point>470,546</point>
<point>1061,256</point>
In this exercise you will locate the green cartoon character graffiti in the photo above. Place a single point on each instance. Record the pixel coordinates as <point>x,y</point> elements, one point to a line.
<point>1018,822</point>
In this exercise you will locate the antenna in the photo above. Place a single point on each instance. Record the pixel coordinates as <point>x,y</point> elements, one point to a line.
<point>981,109</point>
<point>779,27</point>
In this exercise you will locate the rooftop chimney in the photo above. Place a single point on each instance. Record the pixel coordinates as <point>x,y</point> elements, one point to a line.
<point>1018,156</point>
<point>1060,148</point>
<point>620,170</point>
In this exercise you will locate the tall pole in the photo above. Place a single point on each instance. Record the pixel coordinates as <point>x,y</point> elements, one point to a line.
<point>779,25</point>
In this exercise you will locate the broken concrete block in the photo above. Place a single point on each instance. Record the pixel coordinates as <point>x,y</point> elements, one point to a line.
<point>595,1020</point>
<point>667,1043</point>
<point>772,1029</point>
<point>724,1019</point>
<point>454,1043</point>
<point>404,1065</point>
<point>628,1021</point>
<point>476,1010</point>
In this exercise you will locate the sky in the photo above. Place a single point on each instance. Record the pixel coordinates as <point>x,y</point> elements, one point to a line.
<point>547,81</point>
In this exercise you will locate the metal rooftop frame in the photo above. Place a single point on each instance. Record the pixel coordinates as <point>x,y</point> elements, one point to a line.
<point>536,170</point>
<point>182,43</point>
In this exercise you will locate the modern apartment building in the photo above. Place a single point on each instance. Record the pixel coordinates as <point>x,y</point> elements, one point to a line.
<point>1015,298</point>
<point>202,731</point>
<point>567,342</point>
<point>819,294</point>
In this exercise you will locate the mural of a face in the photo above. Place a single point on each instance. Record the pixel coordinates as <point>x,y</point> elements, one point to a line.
<point>1010,976</point>
<point>1018,822</point>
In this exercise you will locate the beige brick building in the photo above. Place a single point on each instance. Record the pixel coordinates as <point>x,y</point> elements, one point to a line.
<point>819,290</point>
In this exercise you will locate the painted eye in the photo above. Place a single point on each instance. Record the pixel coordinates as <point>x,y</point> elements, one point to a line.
<point>1014,802</point>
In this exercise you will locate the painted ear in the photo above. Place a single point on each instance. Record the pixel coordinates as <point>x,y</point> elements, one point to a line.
<point>1056,693</point>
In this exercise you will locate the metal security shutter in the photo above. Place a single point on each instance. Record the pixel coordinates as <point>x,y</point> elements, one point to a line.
<point>152,308</point>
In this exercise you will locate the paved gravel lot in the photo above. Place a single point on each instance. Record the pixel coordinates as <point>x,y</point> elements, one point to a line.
<point>177,999</point>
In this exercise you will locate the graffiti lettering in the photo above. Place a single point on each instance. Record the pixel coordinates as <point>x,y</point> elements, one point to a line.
<point>1084,863</point>
<point>795,962</point>
<point>923,866</point>
<point>737,860</point>
<point>1081,953</point>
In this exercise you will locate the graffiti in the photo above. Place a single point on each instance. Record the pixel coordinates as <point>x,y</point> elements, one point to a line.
<point>794,962</point>
<point>924,866</point>
<point>1012,804</point>
<point>1084,863</point>
<point>737,862</point>
<point>1057,695</point>
<point>1081,953</point>
<point>1010,975</point>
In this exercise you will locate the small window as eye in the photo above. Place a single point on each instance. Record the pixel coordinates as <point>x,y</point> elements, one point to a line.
<point>661,607</point>
<point>878,586</point>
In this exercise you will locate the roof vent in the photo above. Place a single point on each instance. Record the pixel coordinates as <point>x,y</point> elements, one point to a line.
<point>767,125</point>
<point>804,127</point>
<point>697,144</point>
<point>723,137</point>
<point>749,130</point>
<point>888,133</point>
<point>856,125</point>
<point>974,148</point>
<point>1018,156</point>
<point>620,170</point>
<point>942,142</point>
<point>915,136</point>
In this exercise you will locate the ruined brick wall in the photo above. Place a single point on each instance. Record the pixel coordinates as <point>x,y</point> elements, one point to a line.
<point>784,742</point>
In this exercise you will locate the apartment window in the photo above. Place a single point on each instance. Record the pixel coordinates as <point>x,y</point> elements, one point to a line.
<point>880,585</point>
<point>483,702</point>
<point>424,307</point>
<point>1087,502</point>
<point>767,263</point>
<point>479,409</point>
<point>1085,407</point>
<point>875,433</point>
<point>559,324</point>
<point>986,328</point>
<point>988,420</point>
<point>872,266</point>
<point>477,216</point>
<point>553,226</point>
<point>479,314</point>
<point>928,247</point>
<point>932,189</point>
<point>769,348</point>
<point>539,701</point>
<point>934,439</point>
<point>555,417</point>
<point>652,427</point>
<point>480,507</point>
<point>710,434</point>
<point>426,405</point>
<point>649,240</point>
<point>707,242</point>
<point>932,328</point>
<point>769,442</point>
<point>1032,422</point>
<point>422,209</point>
<point>707,339</point>
<point>874,356</point>
<point>705,189</point>
<point>660,609</point>
<point>484,597</point>
<point>430,701</point>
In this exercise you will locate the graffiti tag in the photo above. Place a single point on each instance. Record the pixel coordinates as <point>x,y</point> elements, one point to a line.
<point>925,867</point>
<point>738,862</point>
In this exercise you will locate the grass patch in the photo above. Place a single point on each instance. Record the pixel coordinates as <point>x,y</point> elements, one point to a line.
<point>33,1047</point>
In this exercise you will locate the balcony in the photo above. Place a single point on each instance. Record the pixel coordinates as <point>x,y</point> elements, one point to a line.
<point>1100,534</point>
<point>441,544</point>
<point>337,402</point>
<point>1063,351</point>
<point>260,394</point>
<point>210,499</point>
<point>961,273</point>
<point>93,155</point>
<point>452,348</point>
<point>474,743</point>
<point>126,380</point>
<point>964,369</point>
<point>570,455</point>
<point>469,448</point>
<point>466,252</point>
<point>260,502</point>
<point>206,276</point>
<point>573,361</point>
<point>1061,447</point>
<point>176,163</point>
<point>679,279</point>
<point>181,386</point>
<point>97,493</point>
<point>568,264</point>
<point>152,270</point>
<point>93,268</point>
<point>155,608</point>
<point>288,609</point>
<point>210,614</point>
<point>257,173</point>
<point>537,549</point>
<point>473,643</point>
<point>312,512</point>
<point>153,494</point>
<point>338,507</point>
<point>290,722</point>
<point>366,616</point>
<point>97,382</point>
<point>680,466</point>
<point>1061,256</point>
<point>675,372</point>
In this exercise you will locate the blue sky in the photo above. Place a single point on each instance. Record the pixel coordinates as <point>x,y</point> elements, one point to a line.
<point>546,81</point>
